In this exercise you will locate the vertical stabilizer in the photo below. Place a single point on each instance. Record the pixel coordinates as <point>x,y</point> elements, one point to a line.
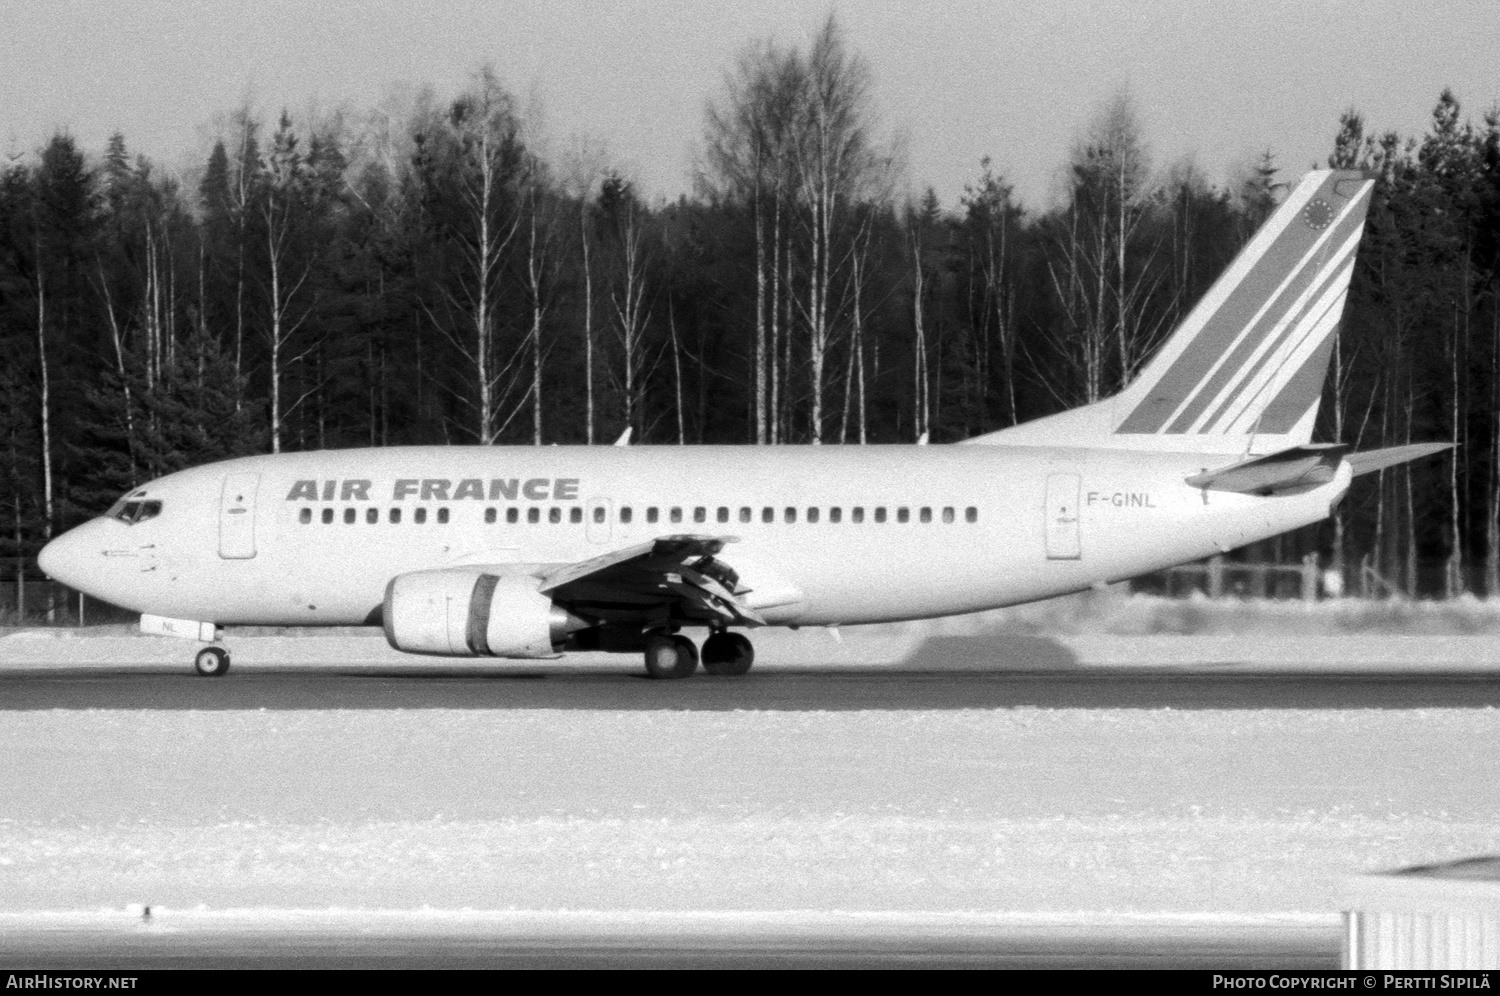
<point>1244,371</point>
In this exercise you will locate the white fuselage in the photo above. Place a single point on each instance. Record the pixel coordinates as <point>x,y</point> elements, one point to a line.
<point>245,541</point>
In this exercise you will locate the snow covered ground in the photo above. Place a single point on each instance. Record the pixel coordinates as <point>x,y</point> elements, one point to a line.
<point>1223,811</point>
<point>573,786</point>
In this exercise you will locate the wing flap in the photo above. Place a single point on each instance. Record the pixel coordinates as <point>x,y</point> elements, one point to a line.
<point>681,569</point>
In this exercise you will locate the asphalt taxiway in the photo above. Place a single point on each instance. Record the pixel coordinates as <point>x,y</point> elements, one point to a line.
<point>621,687</point>
<point>761,944</point>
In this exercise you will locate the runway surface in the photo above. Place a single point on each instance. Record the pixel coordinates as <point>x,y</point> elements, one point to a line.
<point>1164,792</point>
<point>797,690</point>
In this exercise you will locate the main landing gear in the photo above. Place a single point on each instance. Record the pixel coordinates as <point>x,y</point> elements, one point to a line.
<point>728,654</point>
<point>211,662</point>
<point>674,656</point>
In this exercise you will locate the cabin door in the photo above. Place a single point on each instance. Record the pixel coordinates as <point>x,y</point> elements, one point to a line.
<point>237,517</point>
<point>1062,517</point>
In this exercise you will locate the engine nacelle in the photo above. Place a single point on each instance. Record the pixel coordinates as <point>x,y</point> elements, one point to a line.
<point>468,612</point>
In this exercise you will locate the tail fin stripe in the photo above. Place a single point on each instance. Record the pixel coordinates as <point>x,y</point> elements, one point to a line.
<point>1275,321</point>
<point>1304,388</point>
<point>1233,308</point>
<point>1313,323</point>
<point>1296,323</point>
<point>1245,416</point>
<point>1262,333</point>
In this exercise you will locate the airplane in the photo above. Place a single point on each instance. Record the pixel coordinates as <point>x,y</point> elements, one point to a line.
<point>530,552</point>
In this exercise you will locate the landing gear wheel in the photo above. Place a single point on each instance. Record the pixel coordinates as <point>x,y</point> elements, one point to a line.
<point>728,654</point>
<point>211,661</point>
<point>670,656</point>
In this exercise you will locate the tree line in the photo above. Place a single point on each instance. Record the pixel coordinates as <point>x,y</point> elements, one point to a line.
<point>431,276</point>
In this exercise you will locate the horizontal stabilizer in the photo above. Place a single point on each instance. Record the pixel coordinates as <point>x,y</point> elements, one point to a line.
<point>1295,468</point>
<point>1372,460</point>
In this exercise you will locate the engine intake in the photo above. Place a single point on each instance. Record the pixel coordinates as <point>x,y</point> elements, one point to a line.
<point>473,613</point>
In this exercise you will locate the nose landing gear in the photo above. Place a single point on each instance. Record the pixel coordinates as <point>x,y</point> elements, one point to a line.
<point>211,662</point>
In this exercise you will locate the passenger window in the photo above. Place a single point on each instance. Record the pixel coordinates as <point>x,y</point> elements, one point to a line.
<point>926,514</point>
<point>305,516</point>
<point>651,514</point>
<point>625,514</point>
<point>971,514</point>
<point>789,514</point>
<point>835,514</point>
<point>394,516</point>
<point>420,515</point>
<point>442,516</point>
<point>857,514</point>
<point>768,514</point>
<point>348,516</point>
<point>372,515</point>
<point>903,514</point>
<point>489,515</point>
<point>575,515</point>
<point>745,513</point>
<point>533,514</point>
<point>327,516</point>
<point>512,515</point>
<point>812,515</point>
<point>948,513</point>
<point>554,515</point>
<point>676,514</point>
<point>723,514</point>
<point>700,514</point>
<point>598,513</point>
<point>880,514</point>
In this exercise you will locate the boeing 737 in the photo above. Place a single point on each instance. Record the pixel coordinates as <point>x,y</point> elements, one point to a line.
<point>528,552</point>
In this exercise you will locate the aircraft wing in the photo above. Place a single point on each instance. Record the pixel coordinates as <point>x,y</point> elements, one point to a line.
<point>681,570</point>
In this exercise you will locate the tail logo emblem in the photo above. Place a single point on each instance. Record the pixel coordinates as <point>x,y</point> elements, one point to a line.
<point>1317,215</point>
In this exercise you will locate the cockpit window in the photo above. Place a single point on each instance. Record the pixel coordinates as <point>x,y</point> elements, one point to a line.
<point>132,510</point>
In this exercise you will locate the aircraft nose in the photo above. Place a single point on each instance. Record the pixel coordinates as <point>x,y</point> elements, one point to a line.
<point>63,560</point>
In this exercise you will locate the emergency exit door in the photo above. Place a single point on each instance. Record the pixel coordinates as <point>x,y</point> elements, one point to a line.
<point>237,517</point>
<point>600,512</point>
<point>1061,527</point>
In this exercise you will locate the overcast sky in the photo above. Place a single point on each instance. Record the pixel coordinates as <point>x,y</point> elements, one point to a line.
<point>1012,79</point>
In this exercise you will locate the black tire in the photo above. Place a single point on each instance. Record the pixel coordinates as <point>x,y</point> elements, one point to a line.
<point>211,662</point>
<point>728,654</point>
<point>667,657</point>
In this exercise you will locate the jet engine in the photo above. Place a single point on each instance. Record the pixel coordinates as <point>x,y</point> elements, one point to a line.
<point>472,613</point>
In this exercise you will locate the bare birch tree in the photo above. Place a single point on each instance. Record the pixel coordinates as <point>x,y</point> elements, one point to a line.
<point>1103,280</point>
<point>476,158</point>
<point>625,220</point>
<point>283,202</point>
